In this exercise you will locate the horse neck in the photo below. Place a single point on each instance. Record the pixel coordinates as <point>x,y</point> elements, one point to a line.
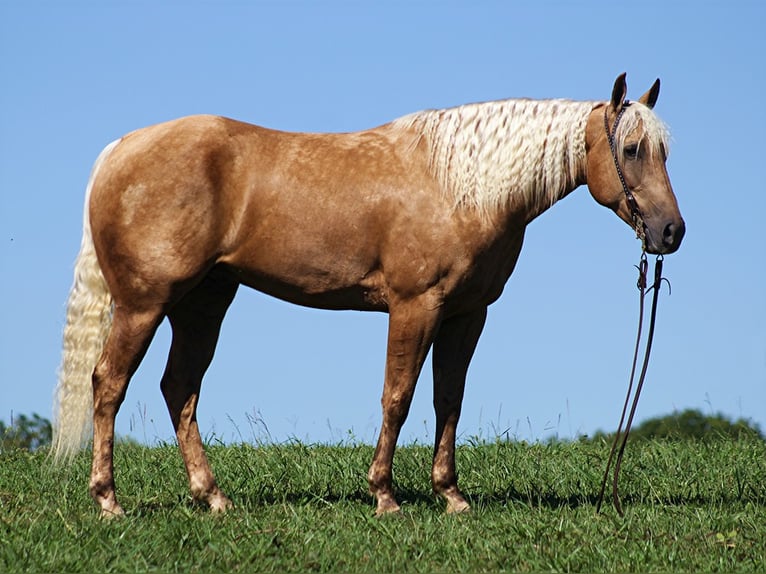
<point>517,155</point>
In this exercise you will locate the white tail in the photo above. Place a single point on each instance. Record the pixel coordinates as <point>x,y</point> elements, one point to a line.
<point>88,321</point>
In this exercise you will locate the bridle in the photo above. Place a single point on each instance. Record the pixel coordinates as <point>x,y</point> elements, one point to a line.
<point>635,212</point>
<point>643,266</point>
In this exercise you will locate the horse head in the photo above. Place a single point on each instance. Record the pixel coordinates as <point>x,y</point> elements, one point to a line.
<point>626,146</point>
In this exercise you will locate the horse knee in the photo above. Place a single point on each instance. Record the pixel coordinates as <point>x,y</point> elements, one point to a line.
<point>396,405</point>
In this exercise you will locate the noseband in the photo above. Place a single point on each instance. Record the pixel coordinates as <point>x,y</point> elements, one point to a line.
<point>635,212</point>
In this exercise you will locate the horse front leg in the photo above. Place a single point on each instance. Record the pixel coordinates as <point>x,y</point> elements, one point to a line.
<point>411,329</point>
<point>453,349</point>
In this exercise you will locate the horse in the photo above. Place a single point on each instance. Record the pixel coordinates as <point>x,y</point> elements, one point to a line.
<point>422,218</point>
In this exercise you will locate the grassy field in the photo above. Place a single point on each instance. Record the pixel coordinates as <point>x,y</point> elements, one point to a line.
<point>690,506</point>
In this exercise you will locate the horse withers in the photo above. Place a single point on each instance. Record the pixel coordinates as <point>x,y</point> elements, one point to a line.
<point>422,218</point>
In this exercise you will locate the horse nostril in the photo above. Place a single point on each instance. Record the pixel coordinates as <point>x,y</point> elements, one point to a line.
<point>672,234</point>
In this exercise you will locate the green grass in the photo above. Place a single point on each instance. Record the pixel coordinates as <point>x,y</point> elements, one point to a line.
<point>690,506</point>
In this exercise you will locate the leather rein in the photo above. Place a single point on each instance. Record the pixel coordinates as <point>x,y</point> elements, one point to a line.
<point>643,266</point>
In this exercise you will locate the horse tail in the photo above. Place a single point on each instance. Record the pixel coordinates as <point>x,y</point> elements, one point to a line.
<point>88,322</point>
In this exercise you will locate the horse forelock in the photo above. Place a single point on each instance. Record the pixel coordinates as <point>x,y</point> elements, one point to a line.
<point>655,132</point>
<point>488,154</point>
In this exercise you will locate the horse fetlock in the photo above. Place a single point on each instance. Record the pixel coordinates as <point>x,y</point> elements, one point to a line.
<point>443,480</point>
<point>379,477</point>
<point>103,494</point>
<point>207,491</point>
<point>456,503</point>
<point>381,489</point>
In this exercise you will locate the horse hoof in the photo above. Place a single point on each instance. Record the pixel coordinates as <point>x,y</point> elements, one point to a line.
<point>387,508</point>
<point>460,507</point>
<point>112,513</point>
<point>220,505</point>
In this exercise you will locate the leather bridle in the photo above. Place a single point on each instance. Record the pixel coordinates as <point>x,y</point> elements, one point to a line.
<point>635,212</point>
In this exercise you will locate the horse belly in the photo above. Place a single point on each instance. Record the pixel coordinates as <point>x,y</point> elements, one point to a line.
<point>310,256</point>
<point>314,287</point>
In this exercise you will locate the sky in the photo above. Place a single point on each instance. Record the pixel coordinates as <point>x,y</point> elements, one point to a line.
<point>555,354</point>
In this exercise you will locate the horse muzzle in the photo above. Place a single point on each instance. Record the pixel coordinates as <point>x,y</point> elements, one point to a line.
<point>666,237</point>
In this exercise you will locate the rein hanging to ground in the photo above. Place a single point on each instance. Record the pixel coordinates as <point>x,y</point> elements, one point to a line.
<point>641,284</point>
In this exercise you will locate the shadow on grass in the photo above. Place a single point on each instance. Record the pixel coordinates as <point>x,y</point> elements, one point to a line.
<point>551,501</point>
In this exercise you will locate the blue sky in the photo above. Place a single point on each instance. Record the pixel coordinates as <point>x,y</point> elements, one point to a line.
<point>554,357</point>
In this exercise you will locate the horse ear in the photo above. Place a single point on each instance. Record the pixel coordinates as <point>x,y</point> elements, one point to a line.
<point>619,92</point>
<point>650,97</point>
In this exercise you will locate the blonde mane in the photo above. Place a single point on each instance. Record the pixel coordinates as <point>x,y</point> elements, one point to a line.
<point>486,154</point>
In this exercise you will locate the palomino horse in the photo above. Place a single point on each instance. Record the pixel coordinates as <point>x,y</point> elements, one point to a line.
<point>422,218</point>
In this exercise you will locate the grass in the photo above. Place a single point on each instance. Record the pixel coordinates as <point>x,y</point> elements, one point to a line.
<point>690,506</point>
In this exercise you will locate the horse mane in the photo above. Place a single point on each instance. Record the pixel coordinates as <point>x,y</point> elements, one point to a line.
<point>486,154</point>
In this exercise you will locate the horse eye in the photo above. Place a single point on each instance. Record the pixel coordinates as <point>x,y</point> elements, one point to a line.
<point>631,151</point>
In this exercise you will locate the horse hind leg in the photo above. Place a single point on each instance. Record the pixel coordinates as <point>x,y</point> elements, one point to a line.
<point>196,322</point>
<point>130,335</point>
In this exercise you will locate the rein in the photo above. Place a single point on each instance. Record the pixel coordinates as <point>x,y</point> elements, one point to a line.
<point>642,267</point>
<point>641,284</point>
